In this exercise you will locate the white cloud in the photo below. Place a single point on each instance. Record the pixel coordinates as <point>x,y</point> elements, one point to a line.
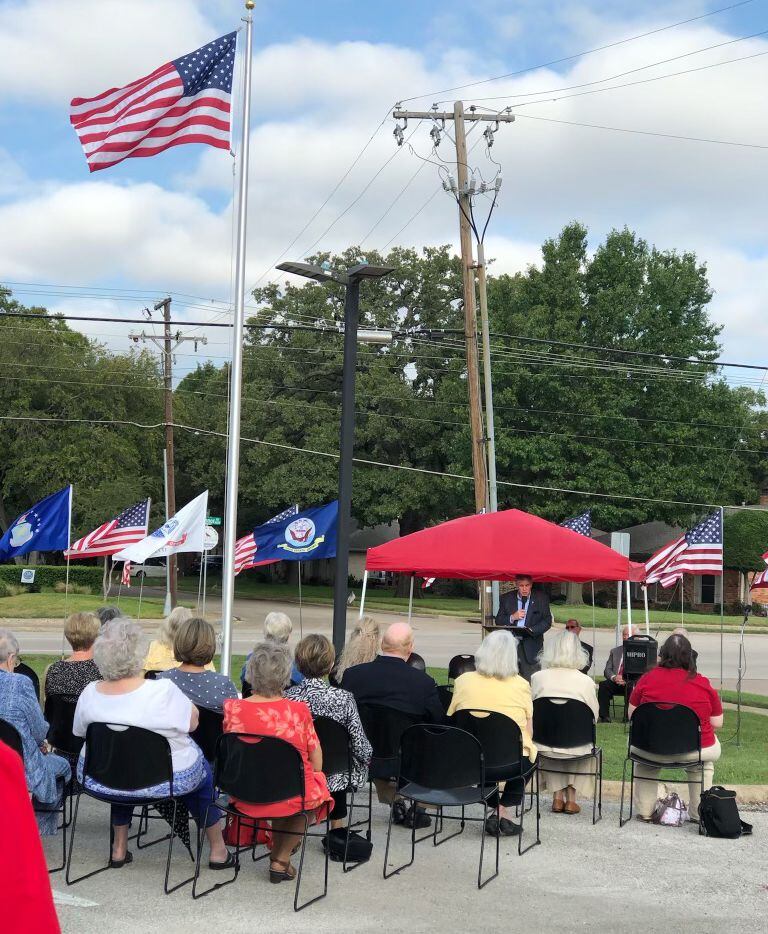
<point>53,52</point>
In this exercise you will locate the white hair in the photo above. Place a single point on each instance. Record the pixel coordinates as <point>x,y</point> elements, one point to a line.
<point>277,627</point>
<point>564,651</point>
<point>120,649</point>
<point>269,668</point>
<point>9,644</point>
<point>497,655</point>
<point>170,625</point>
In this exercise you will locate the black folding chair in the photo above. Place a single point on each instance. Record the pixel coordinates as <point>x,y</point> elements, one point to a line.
<point>445,693</point>
<point>669,730</point>
<point>416,661</point>
<point>443,767</point>
<point>338,759</point>
<point>151,675</point>
<point>208,731</point>
<point>12,738</point>
<point>259,770</point>
<point>60,714</point>
<point>460,664</point>
<point>502,744</point>
<point>566,723</point>
<point>384,726</point>
<point>22,669</point>
<point>125,759</point>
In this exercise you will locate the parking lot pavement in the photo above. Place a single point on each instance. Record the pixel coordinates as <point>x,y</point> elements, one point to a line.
<point>598,879</point>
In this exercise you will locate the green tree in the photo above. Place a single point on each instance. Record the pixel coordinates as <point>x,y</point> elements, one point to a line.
<point>745,540</point>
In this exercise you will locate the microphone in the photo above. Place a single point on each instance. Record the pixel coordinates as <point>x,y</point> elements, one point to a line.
<point>747,611</point>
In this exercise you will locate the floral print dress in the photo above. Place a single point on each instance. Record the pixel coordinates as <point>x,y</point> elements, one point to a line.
<point>290,721</point>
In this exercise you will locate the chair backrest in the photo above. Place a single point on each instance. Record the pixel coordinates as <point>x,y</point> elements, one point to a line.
<point>22,669</point>
<point>247,689</point>
<point>665,729</point>
<point>60,713</point>
<point>445,693</point>
<point>151,675</point>
<point>563,723</point>
<point>384,726</point>
<point>127,758</point>
<point>336,745</point>
<point>10,736</point>
<point>416,661</point>
<point>499,736</point>
<point>460,664</point>
<point>440,756</point>
<point>258,769</point>
<point>208,731</point>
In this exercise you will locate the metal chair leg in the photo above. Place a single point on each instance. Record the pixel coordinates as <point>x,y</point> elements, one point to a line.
<point>480,883</point>
<point>296,906</point>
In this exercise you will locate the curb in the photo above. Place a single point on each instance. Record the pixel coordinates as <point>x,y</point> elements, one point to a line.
<point>745,794</point>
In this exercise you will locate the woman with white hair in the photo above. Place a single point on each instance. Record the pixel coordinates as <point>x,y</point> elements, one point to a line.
<point>125,697</point>
<point>45,772</point>
<point>495,685</point>
<point>160,656</point>
<point>277,628</point>
<point>561,662</point>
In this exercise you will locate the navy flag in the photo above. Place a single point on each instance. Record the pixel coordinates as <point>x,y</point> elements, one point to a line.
<point>43,527</point>
<point>309,534</point>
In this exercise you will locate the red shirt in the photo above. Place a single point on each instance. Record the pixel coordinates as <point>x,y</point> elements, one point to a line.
<point>673,686</point>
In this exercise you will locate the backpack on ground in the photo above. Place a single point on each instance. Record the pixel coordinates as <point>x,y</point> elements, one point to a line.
<point>359,848</point>
<point>719,815</point>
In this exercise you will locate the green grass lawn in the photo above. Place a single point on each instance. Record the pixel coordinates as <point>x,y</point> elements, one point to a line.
<point>49,605</point>
<point>746,764</point>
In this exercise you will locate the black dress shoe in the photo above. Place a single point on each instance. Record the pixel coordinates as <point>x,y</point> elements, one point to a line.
<point>119,863</point>
<point>603,719</point>
<point>399,813</point>
<point>228,863</point>
<point>417,818</point>
<point>506,828</point>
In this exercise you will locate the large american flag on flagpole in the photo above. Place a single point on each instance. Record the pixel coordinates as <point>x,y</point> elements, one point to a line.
<point>699,551</point>
<point>245,547</point>
<point>187,100</point>
<point>127,529</point>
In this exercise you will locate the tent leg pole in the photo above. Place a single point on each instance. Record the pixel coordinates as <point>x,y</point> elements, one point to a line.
<point>362,595</point>
<point>645,605</point>
<point>619,587</point>
<point>301,615</point>
<point>629,607</point>
<point>722,595</point>
<point>410,601</point>
<point>594,623</point>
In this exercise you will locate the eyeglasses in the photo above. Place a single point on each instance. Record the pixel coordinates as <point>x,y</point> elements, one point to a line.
<point>571,628</point>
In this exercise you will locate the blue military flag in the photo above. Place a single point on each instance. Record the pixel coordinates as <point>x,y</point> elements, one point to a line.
<point>309,534</point>
<point>44,527</point>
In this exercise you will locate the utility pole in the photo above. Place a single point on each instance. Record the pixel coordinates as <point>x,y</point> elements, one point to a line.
<point>167,346</point>
<point>464,189</point>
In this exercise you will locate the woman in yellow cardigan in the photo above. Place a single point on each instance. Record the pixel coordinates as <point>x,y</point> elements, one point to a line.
<point>160,656</point>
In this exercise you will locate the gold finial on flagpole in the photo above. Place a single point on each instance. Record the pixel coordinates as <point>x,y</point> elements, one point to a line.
<point>250,4</point>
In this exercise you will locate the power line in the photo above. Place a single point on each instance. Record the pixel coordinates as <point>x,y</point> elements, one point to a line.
<point>618,129</point>
<point>569,58</point>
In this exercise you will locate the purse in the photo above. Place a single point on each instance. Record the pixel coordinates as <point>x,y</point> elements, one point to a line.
<point>719,814</point>
<point>243,834</point>
<point>670,811</point>
<point>359,848</point>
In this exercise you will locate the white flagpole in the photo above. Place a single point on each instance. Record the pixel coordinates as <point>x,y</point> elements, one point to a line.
<point>301,617</point>
<point>233,441</point>
<point>645,604</point>
<point>362,595</point>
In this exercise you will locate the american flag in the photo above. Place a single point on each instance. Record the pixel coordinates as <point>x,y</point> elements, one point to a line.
<point>187,100</point>
<point>699,551</point>
<point>127,529</point>
<point>245,547</point>
<point>760,580</point>
<point>581,524</point>
<point>125,580</point>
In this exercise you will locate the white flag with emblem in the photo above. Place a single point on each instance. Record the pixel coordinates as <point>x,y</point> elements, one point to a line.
<point>183,532</point>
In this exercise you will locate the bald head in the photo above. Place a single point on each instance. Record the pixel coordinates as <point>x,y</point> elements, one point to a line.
<point>397,640</point>
<point>628,631</point>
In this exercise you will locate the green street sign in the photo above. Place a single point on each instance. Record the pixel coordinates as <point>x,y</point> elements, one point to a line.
<point>213,520</point>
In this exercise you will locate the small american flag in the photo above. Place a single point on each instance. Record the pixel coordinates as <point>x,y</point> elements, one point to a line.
<point>126,576</point>
<point>427,582</point>
<point>581,524</point>
<point>129,527</point>
<point>245,547</point>
<point>699,551</point>
<point>187,100</point>
<point>760,580</point>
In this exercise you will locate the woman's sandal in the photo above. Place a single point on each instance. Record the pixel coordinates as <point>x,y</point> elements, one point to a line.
<point>228,863</point>
<point>285,873</point>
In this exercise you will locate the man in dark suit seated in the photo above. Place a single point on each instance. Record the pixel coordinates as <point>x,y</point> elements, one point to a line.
<point>389,681</point>
<point>526,612</point>
<point>614,683</point>
<point>573,625</point>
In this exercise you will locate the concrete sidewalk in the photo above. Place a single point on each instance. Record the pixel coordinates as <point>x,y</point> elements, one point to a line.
<point>601,879</point>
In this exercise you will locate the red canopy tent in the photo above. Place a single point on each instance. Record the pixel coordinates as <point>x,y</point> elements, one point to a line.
<point>500,545</point>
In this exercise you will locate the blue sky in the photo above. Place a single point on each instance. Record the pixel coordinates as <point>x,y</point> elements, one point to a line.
<point>324,75</point>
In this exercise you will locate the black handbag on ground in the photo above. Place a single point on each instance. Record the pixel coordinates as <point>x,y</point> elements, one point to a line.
<point>719,815</point>
<point>359,848</point>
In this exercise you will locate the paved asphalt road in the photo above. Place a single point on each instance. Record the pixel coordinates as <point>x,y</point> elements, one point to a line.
<point>437,639</point>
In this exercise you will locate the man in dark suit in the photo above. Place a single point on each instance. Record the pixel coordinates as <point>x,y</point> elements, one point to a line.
<point>614,683</point>
<point>389,681</point>
<point>573,625</point>
<point>526,612</point>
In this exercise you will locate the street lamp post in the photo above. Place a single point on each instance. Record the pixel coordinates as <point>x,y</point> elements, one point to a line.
<point>350,279</point>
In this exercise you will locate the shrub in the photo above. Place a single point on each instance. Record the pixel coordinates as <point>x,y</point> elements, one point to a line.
<point>47,576</point>
<point>61,587</point>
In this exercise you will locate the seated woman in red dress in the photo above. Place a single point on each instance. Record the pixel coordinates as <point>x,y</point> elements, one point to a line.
<point>267,713</point>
